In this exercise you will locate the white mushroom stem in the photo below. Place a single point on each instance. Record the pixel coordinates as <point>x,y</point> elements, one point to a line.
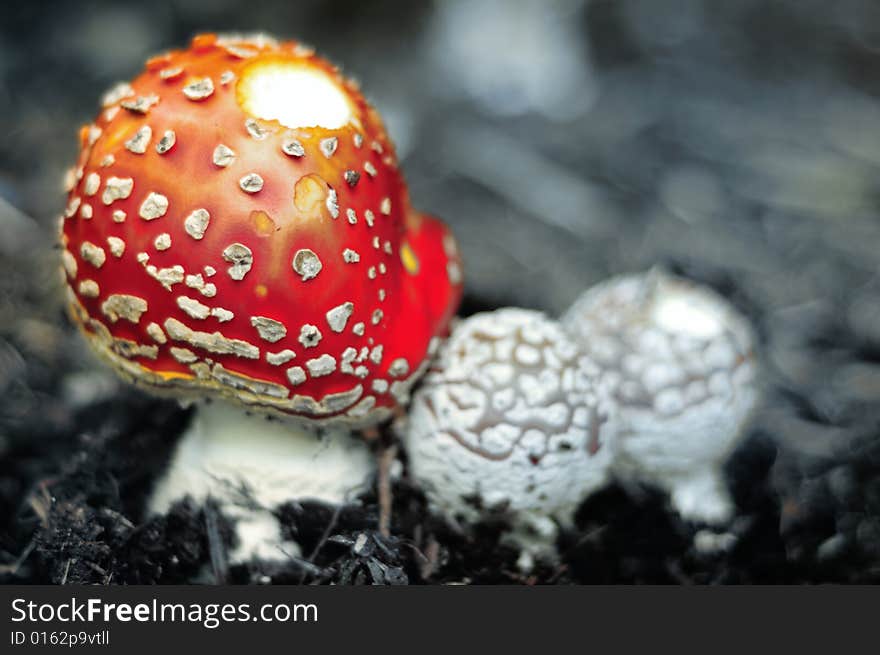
<point>251,465</point>
<point>702,496</point>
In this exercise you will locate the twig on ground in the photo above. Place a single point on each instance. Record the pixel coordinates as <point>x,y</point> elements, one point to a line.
<point>387,455</point>
<point>323,540</point>
<point>12,569</point>
<point>215,545</point>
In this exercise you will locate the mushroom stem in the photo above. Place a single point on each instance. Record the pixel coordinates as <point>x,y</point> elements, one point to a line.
<point>387,455</point>
<point>701,497</point>
<point>534,535</point>
<point>251,465</point>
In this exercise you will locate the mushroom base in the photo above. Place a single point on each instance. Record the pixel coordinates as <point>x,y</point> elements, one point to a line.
<point>686,457</point>
<point>699,495</point>
<point>250,464</point>
<point>534,535</point>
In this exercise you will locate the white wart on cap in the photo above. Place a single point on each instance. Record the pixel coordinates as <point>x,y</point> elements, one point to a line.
<point>678,361</point>
<point>508,423</point>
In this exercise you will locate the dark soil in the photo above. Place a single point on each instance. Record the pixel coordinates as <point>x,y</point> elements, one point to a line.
<point>736,143</point>
<point>81,522</point>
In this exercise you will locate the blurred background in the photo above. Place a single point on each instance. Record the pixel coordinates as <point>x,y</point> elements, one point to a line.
<point>736,142</point>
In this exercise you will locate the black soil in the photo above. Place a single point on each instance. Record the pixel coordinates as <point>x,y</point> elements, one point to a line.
<point>81,522</point>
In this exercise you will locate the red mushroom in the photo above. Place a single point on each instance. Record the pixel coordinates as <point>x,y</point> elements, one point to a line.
<point>238,228</point>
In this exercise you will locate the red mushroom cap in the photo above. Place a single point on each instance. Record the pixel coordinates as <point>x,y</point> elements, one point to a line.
<point>213,248</point>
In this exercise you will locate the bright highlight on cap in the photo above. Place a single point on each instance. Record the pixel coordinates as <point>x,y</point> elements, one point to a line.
<point>294,95</point>
<point>686,316</point>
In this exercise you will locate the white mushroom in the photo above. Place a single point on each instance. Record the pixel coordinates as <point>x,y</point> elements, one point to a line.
<point>678,360</point>
<point>508,422</point>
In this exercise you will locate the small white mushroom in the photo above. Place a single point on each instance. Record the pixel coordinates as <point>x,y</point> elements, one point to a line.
<point>678,360</point>
<point>508,422</point>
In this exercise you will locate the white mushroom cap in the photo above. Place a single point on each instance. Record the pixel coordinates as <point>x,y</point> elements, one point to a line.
<point>678,360</point>
<point>508,419</point>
